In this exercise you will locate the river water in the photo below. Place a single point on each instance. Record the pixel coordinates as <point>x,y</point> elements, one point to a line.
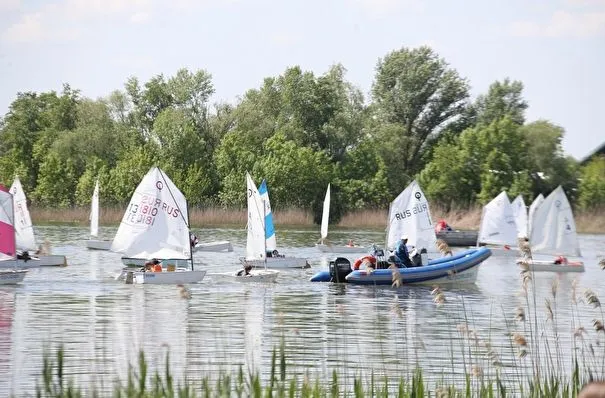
<point>355,330</point>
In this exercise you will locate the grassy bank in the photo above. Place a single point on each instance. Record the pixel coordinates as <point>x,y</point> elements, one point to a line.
<point>586,222</point>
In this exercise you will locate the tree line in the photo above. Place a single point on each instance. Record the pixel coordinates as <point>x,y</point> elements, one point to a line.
<point>299,131</point>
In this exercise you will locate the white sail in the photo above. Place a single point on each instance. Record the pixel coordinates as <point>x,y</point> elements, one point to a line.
<point>269,228</point>
<point>498,225</point>
<point>94,211</point>
<point>554,228</point>
<point>325,216</point>
<point>255,244</point>
<point>520,215</point>
<point>532,210</point>
<point>23,222</point>
<point>7,225</point>
<point>409,214</point>
<point>155,223</point>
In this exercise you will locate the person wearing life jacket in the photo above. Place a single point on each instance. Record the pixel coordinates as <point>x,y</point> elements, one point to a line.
<point>152,265</point>
<point>402,255</point>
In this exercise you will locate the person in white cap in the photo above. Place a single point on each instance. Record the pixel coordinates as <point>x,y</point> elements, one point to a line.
<point>402,255</point>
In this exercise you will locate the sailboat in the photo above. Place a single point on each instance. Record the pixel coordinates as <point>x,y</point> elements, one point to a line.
<point>94,223</point>
<point>532,210</point>
<point>553,233</point>
<point>272,259</point>
<point>26,241</point>
<point>327,247</point>
<point>498,228</point>
<point>520,216</point>
<point>255,241</point>
<point>9,274</point>
<point>409,214</point>
<point>156,225</point>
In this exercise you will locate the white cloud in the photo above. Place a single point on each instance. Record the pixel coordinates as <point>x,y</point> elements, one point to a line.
<point>9,4</point>
<point>64,19</point>
<point>140,17</point>
<point>563,24</point>
<point>587,2</point>
<point>378,8</point>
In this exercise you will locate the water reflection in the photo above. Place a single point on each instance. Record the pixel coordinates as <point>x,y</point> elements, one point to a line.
<point>357,330</point>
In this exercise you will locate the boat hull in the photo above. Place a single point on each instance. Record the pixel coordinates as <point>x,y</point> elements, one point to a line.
<point>12,277</point>
<point>458,269</point>
<point>550,266</point>
<point>20,264</point>
<point>217,246</point>
<point>96,244</point>
<point>458,238</point>
<point>256,275</point>
<point>278,262</point>
<point>53,260</point>
<point>499,251</point>
<point>341,249</point>
<point>177,277</point>
<point>140,262</point>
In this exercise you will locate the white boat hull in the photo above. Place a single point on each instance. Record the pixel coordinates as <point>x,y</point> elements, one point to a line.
<point>140,262</point>
<point>53,260</point>
<point>341,249</point>
<point>278,262</point>
<point>12,277</point>
<point>550,266</point>
<point>177,277</point>
<point>217,246</point>
<point>19,264</point>
<point>255,275</point>
<point>500,251</point>
<point>96,244</point>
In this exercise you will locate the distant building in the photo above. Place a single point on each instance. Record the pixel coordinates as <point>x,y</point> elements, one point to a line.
<point>600,151</point>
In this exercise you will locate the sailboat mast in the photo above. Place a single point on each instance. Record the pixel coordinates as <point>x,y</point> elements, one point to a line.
<point>181,214</point>
<point>265,232</point>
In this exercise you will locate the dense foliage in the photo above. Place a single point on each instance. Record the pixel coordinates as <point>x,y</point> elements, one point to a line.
<point>300,132</point>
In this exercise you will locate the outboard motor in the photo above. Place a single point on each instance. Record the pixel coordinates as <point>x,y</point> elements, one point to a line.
<point>424,257</point>
<point>340,267</point>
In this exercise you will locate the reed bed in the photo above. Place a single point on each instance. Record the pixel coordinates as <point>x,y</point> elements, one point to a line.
<point>464,219</point>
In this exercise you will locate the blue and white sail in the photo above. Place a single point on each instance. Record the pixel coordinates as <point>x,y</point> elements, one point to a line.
<point>271,243</point>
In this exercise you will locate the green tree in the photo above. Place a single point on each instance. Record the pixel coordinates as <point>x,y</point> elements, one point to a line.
<point>592,184</point>
<point>503,99</point>
<point>416,95</point>
<point>548,164</point>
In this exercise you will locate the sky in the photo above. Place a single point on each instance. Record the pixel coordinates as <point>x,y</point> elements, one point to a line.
<point>555,47</point>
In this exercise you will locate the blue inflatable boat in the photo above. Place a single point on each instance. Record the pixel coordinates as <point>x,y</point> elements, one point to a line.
<point>459,268</point>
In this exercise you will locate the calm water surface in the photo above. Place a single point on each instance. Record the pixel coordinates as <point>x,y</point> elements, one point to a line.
<point>224,324</point>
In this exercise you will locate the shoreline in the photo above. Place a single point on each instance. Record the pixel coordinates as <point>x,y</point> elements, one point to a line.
<point>587,222</point>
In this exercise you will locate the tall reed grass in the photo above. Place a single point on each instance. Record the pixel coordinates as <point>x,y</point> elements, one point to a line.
<point>464,219</point>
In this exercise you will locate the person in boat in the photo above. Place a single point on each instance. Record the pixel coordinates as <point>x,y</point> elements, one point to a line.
<point>152,265</point>
<point>245,271</point>
<point>442,225</point>
<point>274,253</point>
<point>24,255</point>
<point>194,239</point>
<point>401,254</point>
